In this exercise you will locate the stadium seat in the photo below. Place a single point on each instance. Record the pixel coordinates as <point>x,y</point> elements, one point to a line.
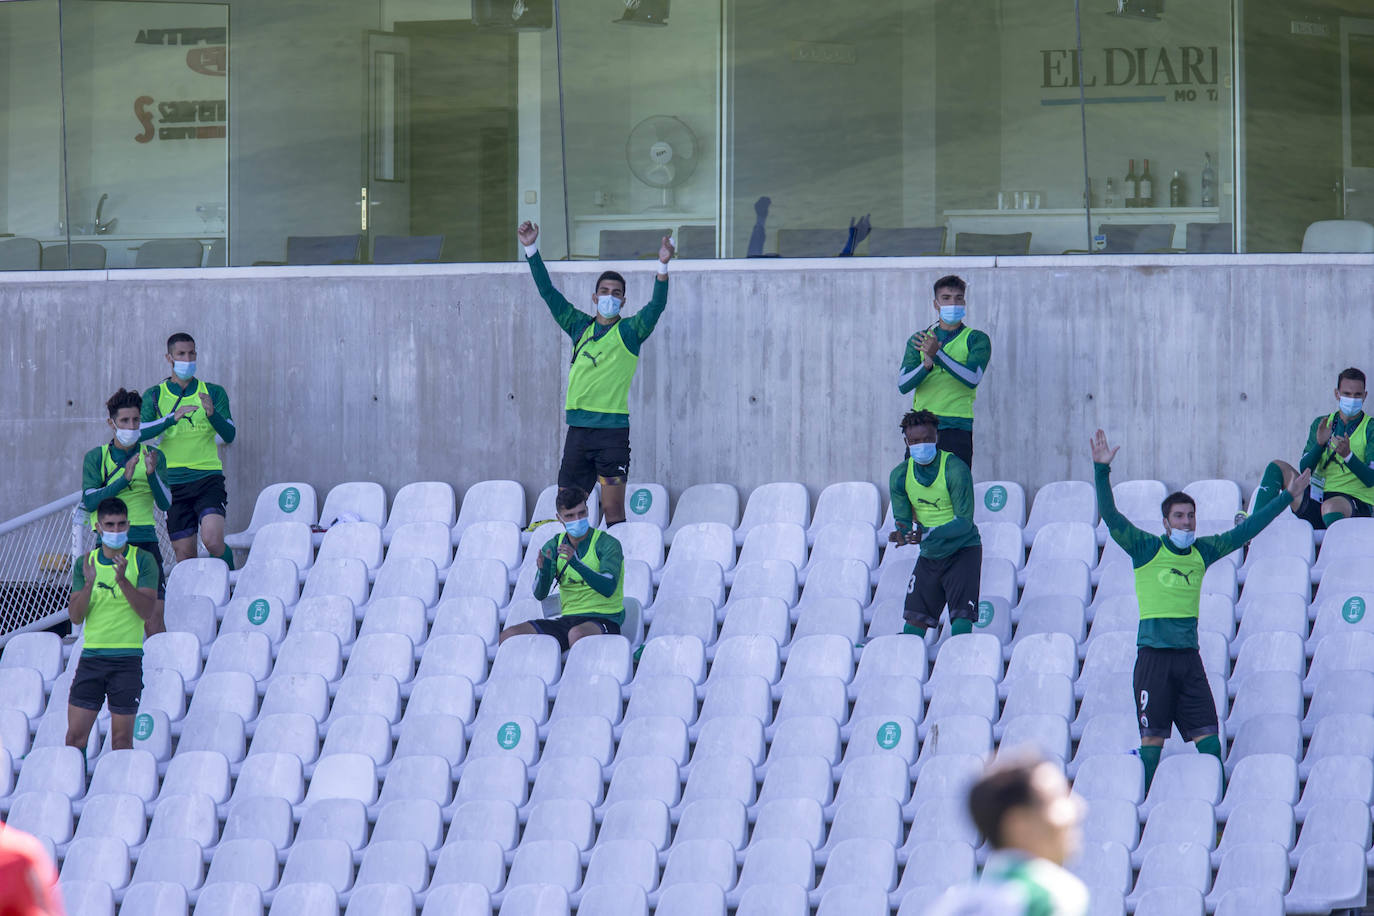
<point>157,897</point>
<point>278,502</point>
<point>384,899</point>
<point>258,614</point>
<point>797,817</point>
<point>642,541</point>
<point>1111,820</point>
<point>1348,538</point>
<point>691,898</point>
<point>40,651</point>
<point>264,817</point>
<point>843,541</point>
<point>1330,876</point>
<point>1058,577</point>
<point>474,614</point>
<point>345,576</point>
<point>416,540</point>
<point>1111,776</point>
<point>46,813</point>
<point>305,898</point>
<point>1175,822</point>
<point>849,501</point>
<point>691,616</point>
<point>647,503</point>
<point>482,578</point>
<point>97,859</point>
<point>1349,650</point>
<point>970,653</point>
<point>640,823</point>
<point>930,869</point>
<point>960,695</point>
<point>280,541</point>
<point>492,500</point>
<point>407,577</point>
<point>1061,501</point>
<point>773,899</point>
<point>867,863</point>
<point>876,817</point>
<point>706,502</point>
<point>490,540</point>
<point>774,541</point>
<point>247,652</point>
<point>59,769</point>
<point>310,652</point>
<point>1173,865</point>
<point>358,501</point>
<point>772,502</point>
<point>396,862</point>
<point>403,614</point>
<point>1268,652</point>
<point>174,861</point>
<point>229,898</point>
<point>1265,692</point>
<point>1063,541</point>
<point>998,580</point>
<point>199,576</point>
<point>422,501</point>
<point>699,862</point>
<point>324,861</point>
<point>999,501</point>
<point>1038,694</point>
<point>1257,820</point>
<point>207,772</point>
<point>274,775</point>
<point>1002,540</point>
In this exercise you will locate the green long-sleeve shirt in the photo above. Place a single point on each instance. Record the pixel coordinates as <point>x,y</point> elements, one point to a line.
<point>956,534</point>
<point>1142,547</point>
<point>96,485</point>
<point>634,330</point>
<point>610,557</point>
<point>968,373</point>
<point>154,424</point>
<point>1317,458</point>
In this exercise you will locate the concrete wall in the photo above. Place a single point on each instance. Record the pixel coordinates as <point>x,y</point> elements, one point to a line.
<point>759,371</point>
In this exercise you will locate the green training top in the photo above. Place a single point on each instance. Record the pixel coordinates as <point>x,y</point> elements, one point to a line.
<point>1040,887</point>
<point>1334,470</point>
<point>112,626</point>
<point>102,476</point>
<point>1175,632</point>
<point>967,372</point>
<point>633,331</point>
<point>606,580</point>
<point>192,426</point>
<point>953,536</point>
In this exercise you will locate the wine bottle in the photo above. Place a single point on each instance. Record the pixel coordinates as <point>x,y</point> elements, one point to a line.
<point>1131,187</point>
<point>1109,200</point>
<point>1176,191</point>
<point>1147,188</point>
<point>1209,182</point>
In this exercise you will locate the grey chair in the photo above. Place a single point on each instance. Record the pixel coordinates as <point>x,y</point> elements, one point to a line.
<point>811,243</point>
<point>170,253</point>
<point>302,250</point>
<point>911,242</point>
<point>1338,235</point>
<point>20,254</point>
<point>1210,238</point>
<point>1136,238</point>
<point>630,244</point>
<point>980,243</point>
<point>407,249</point>
<point>696,241</point>
<point>84,256</point>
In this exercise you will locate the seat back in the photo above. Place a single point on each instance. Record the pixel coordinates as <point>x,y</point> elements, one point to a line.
<point>908,242</point>
<point>811,243</point>
<point>406,249</point>
<point>1209,238</point>
<point>981,243</point>
<point>20,254</point>
<point>1338,235</point>
<point>170,253</point>
<point>630,244</point>
<point>323,249</point>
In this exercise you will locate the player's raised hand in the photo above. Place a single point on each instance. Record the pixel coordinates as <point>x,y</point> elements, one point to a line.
<point>88,571</point>
<point>150,461</point>
<point>1342,445</point>
<point>1324,431</point>
<point>121,563</point>
<point>1102,452</point>
<point>666,250</point>
<point>131,466</point>
<point>207,404</point>
<point>1299,485</point>
<point>527,232</point>
<point>185,409</point>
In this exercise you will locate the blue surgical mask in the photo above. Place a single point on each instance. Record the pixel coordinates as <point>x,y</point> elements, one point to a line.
<point>1350,406</point>
<point>126,437</point>
<point>922,452</point>
<point>1182,539</point>
<point>184,369</point>
<point>114,539</point>
<point>951,314</point>
<point>578,528</point>
<point>609,306</point>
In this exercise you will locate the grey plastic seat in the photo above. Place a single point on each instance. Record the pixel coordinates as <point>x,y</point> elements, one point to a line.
<point>169,253</point>
<point>84,256</point>
<point>906,242</point>
<point>630,244</point>
<point>20,254</point>
<point>990,244</point>
<point>407,249</point>
<point>323,249</point>
<point>811,243</point>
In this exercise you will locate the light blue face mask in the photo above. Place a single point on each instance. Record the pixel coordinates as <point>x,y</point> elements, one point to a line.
<point>1182,539</point>
<point>1351,406</point>
<point>922,452</point>
<point>609,306</point>
<point>578,528</point>
<point>114,539</point>
<point>184,369</point>
<point>951,314</point>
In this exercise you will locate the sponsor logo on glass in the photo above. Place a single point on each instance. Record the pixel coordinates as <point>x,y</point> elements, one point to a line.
<point>995,498</point>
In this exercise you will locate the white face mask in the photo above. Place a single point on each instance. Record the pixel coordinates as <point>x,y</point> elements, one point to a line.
<point>1182,539</point>
<point>126,437</point>
<point>609,306</point>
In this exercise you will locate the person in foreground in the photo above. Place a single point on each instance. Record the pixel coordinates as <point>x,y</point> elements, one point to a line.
<point>1033,821</point>
<point>932,504</point>
<point>1170,683</point>
<point>589,567</point>
<point>114,592</point>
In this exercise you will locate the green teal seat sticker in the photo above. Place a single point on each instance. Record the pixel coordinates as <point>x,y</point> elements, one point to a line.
<point>143,727</point>
<point>289,500</point>
<point>995,498</point>
<point>508,735</point>
<point>258,611</point>
<point>1353,609</point>
<point>889,733</point>
<point>985,614</point>
<point>641,500</point>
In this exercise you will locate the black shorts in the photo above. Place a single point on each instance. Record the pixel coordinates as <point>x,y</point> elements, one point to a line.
<point>952,580</point>
<point>558,627</point>
<point>958,442</point>
<point>119,677</point>
<point>1171,689</point>
<point>156,552</point>
<point>589,453</point>
<point>1311,510</point>
<point>191,502</point>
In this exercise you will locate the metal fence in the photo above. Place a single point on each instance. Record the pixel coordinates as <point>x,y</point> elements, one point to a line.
<point>36,554</point>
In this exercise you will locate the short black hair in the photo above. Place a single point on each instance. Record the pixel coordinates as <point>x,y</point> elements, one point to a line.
<point>609,275</point>
<point>919,418</point>
<point>1006,784</point>
<point>179,337</point>
<point>111,505</point>
<point>569,498</point>
<point>1176,498</point>
<point>1352,373</point>
<point>950,281</point>
<point>123,398</point>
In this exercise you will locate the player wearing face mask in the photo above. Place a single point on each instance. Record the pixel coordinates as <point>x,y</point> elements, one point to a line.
<point>605,355</point>
<point>137,474</point>
<point>1170,683</point>
<point>943,366</point>
<point>932,504</point>
<point>1340,457</point>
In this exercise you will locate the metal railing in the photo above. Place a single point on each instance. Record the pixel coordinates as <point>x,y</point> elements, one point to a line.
<point>36,554</point>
